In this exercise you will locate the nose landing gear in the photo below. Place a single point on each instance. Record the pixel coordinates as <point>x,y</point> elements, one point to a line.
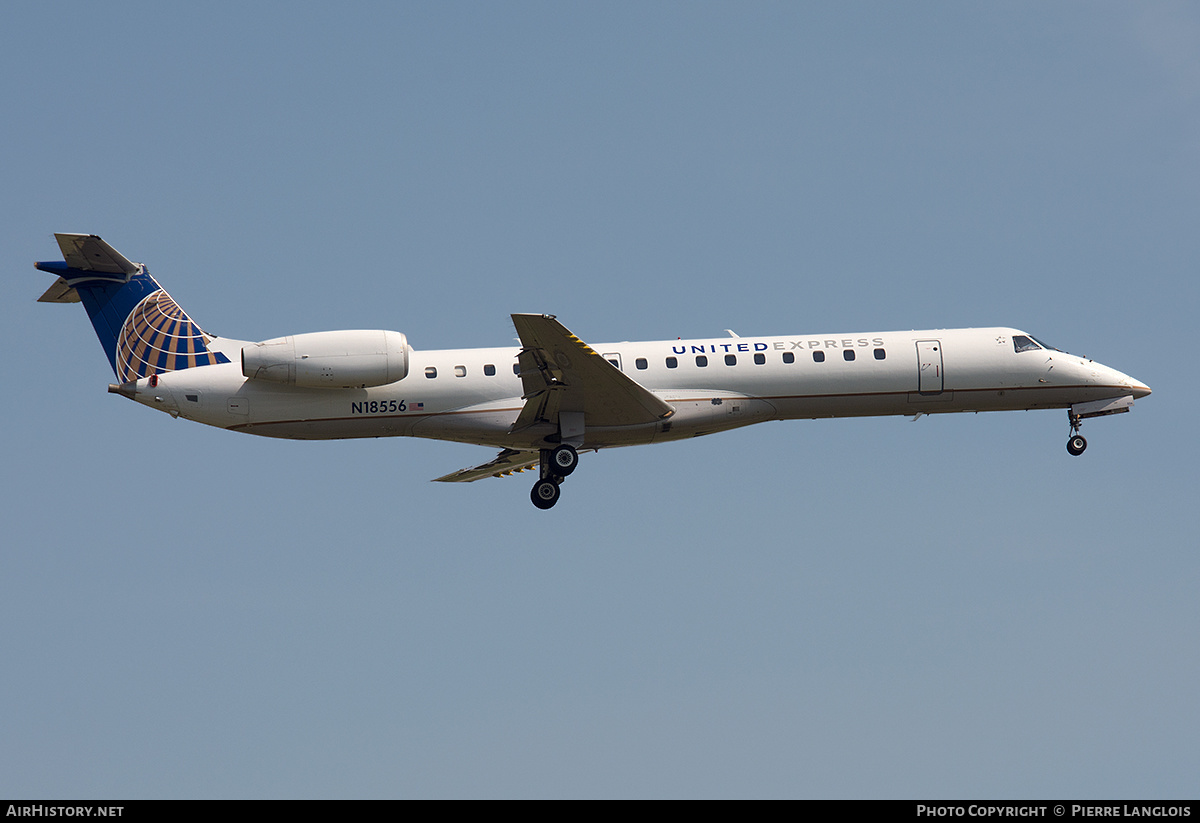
<point>556,464</point>
<point>1078,412</point>
<point>1076,442</point>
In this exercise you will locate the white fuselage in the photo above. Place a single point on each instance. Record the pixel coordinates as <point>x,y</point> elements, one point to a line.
<point>475,396</point>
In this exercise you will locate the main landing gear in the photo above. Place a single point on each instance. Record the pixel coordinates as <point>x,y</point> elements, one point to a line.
<point>1076,442</point>
<point>557,464</point>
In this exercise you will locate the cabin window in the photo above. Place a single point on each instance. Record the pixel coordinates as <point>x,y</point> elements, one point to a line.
<point>672,363</point>
<point>788,357</point>
<point>847,354</point>
<point>818,356</point>
<point>489,370</point>
<point>880,354</point>
<point>701,360</point>
<point>460,371</point>
<point>760,359</point>
<point>731,360</point>
<point>641,363</point>
<point>516,368</point>
<point>430,372</point>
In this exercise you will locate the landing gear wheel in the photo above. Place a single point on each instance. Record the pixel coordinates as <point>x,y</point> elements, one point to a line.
<point>564,459</point>
<point>1076,444</point>
<point>545,494</point>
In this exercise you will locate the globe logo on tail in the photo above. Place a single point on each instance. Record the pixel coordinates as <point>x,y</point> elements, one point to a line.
<point>159,337</point>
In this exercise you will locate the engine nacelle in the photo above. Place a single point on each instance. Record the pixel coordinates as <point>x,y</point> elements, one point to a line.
<point>329,359</point>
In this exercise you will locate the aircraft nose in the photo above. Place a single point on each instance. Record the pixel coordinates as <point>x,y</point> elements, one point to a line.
<point>1136,387</point>
<point>1115,378</point>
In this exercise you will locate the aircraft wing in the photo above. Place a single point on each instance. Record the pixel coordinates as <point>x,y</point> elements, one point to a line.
<point>506,463</point>
<point>560,373</point>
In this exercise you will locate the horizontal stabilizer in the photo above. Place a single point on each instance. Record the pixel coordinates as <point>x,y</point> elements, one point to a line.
<point>507,462</point>
<point>60,292</point>
<point>87,252</point>
<point>87,259</point>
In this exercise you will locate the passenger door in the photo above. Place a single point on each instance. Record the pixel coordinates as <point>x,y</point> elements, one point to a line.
<point>930,379</point>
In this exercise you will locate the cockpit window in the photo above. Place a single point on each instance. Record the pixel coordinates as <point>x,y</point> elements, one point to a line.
<point>1022,343</point>
<point>1045,345</point>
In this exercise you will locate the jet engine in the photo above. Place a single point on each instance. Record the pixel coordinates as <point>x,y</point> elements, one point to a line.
<point>329,359</point>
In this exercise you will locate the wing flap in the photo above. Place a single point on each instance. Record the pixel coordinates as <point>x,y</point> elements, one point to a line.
<point>505,463</point>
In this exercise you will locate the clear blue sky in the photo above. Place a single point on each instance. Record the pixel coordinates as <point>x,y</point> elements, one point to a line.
<point>857,608</point>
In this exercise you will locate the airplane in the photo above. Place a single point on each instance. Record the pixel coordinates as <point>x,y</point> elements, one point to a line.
<point>555,396</point>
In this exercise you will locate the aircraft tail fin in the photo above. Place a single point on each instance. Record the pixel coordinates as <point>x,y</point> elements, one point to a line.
<point>142,330</point>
